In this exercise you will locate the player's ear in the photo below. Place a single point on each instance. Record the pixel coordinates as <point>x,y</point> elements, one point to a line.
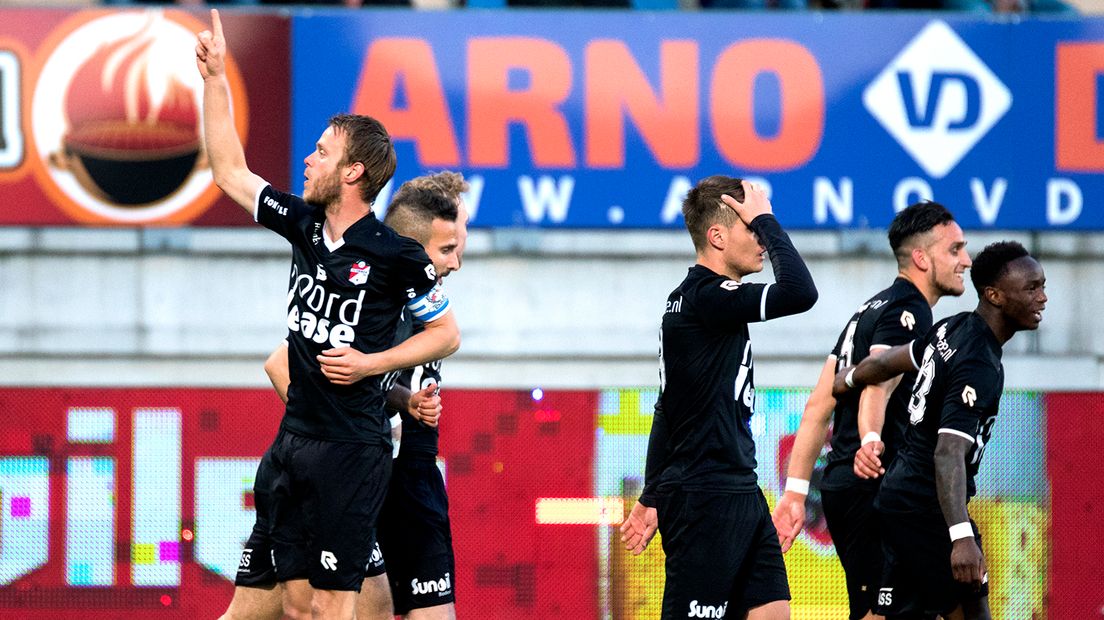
<point>994,296</point>
<point>920,259</point>
<point>716,236</point>
<point>353,172</point>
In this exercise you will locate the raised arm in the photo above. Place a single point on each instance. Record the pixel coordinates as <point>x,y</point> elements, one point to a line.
<point>789,514</point>
<point>793,290</point>
<point>224,149</point>
<point>967,561</point>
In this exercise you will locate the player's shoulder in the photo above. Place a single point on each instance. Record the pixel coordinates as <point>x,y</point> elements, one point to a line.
<point>702,280</point>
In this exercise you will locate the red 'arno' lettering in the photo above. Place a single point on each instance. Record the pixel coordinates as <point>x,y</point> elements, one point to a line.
<point>1076,146</point>
<point>492,106</point>
<point>668,116</point>
<point>616,87</point>
<point>731,97</point>
<point>425,121</point>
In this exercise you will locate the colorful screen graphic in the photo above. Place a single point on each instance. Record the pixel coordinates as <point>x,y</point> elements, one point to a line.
<point>137,501</point>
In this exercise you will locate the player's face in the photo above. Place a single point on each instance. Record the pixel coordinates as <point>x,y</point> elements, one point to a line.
<point>1023,288</point>
<point>323,169</point>
<point>743,254</point>
<point>949,259</point>
<point>445,244</point>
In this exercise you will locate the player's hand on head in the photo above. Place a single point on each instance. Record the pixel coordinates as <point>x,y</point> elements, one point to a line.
<point>211,49</point>
<point>868,462</point>
<point>755,202</point>
<point>425,405</point>
<point>639,528</point>
<point>345,365</point>
<point>789,518</point>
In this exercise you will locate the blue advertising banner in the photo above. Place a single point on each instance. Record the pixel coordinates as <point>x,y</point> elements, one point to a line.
<point>603,120</point>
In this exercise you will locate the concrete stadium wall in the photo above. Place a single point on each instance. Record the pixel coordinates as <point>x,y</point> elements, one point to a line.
<point>537,308</point>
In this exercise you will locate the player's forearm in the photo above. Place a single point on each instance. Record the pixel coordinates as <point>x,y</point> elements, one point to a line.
<point>398,398</point>
<point>656,457</point>
<point>872,406</point>
<point>439,339</point>
<point>224,149</point>
<point>794,290</point>
<point>814,424</point>
<point>810,438</point>
<point>276,367</point>
<point>950,478</point>
<point>881,368</point>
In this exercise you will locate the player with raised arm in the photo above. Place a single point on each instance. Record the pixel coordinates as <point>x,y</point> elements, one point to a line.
<point>931,257</point>
<point>351,278</point>
<point>723,557</point>
<point>934,562</point>
<point>414,530</point>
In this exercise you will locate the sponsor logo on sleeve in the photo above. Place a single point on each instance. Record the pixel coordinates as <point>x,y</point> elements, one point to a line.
<point>908,321</point>
<point>969,396</point>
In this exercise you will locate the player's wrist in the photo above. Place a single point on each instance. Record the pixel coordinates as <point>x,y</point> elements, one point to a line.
<point>849,379</point>
<point>961,531</point>
<point>797,485</point>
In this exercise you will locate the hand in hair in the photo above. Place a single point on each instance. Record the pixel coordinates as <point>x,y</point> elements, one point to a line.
<point>755,202</point>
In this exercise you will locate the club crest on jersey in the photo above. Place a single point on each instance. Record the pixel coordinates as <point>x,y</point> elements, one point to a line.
<point>358,273</point>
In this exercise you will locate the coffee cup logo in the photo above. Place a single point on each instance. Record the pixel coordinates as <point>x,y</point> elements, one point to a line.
<point>116,120</point>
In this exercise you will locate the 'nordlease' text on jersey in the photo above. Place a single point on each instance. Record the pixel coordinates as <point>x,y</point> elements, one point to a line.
<point>895,316</point>
<point>347,293</point>
<point>702,438</point>
<point>957,390</point>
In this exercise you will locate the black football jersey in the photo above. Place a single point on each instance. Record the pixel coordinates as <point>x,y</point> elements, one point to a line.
<point>347,293</point>
<point>701,435</point>
<point>957,390</point>
<point>895,316</point>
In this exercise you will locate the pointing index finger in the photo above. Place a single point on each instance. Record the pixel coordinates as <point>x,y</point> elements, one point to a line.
<point>216,23</point>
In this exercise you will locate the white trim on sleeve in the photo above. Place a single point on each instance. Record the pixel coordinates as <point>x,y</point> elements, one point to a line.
<point>913,357</point>
<point>882,347</point>
<point>951,431</point>
<point>763,304</point>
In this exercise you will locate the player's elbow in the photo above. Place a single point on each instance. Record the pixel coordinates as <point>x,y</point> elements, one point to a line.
<point>806,297</point>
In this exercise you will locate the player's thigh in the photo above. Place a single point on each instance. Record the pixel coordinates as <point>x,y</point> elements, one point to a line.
<point>775,610</point>
<point>374,600</point>
<point>345,485</point>
<point>416,537</point>
<point>853,524</point>
<point>297,595</point>
<point>333,604</point>
<point>255,603</point>
<point>706,541</point>
<point>762,578</point>
<point>917,582</point>
<point>437,612</point>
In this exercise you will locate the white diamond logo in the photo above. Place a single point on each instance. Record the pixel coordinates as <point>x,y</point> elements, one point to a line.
<point>937,99</point>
